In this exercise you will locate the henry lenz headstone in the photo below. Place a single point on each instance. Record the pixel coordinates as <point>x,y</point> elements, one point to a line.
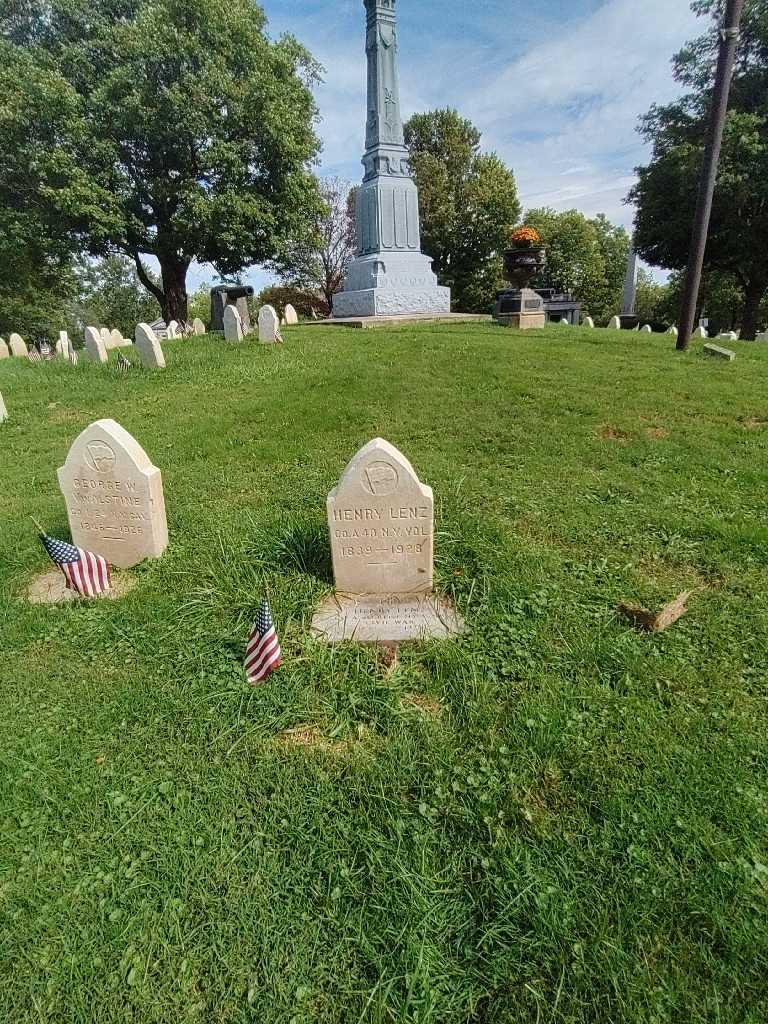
<point>114,496</point>
<point>381,522</point>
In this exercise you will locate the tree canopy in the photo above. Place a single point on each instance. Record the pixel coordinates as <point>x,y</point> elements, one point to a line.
<point>175,128</point>
<point>665,194</point>
<point>468,201</point>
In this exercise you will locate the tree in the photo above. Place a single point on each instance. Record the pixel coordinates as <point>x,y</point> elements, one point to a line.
<point>665,194</point>
<point>167,127</point>
<point>468,203</point>
<point>585,258</point>
<point>320,262</point>
<point>111,295</point>
<point>308,304</point>
<point>652,298</point>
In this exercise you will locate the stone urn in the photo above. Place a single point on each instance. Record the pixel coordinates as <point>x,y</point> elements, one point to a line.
<point>523,263</point>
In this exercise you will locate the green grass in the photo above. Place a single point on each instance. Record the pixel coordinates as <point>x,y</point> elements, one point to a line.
<point>573,830</point>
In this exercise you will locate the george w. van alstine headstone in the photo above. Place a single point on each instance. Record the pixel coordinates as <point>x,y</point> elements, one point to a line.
<point>114,496</point>
<point>381,522</point>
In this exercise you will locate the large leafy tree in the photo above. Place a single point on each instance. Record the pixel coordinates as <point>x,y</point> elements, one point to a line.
<point>586,258</point>
<point>665,194</point>
<point>174,128</point>
<point>468,202</point>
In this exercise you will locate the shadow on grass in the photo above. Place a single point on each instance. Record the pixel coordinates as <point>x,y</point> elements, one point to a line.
<point>294,546</point>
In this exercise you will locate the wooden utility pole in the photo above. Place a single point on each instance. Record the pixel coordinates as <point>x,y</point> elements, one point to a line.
<point>729,39</point>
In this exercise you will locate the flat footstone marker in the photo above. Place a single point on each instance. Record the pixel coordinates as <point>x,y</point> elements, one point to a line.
<point>149,348</point>
<point>114,496</point>
<point>291,316</point>
<point>720,353</point>
<point>269,325</point>
<point>4,353</point>
<point>94,346</point>
<point>381,522</point>
<point>18,346</point>
<point>233,324</point>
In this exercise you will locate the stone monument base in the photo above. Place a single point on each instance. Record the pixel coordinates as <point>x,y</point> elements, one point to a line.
<point>522,308</point>
<point>386,618</point>
<point>391,302</point>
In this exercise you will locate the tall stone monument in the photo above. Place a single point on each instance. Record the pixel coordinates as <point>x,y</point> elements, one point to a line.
<point>390,274</point>
<point>630,283</point>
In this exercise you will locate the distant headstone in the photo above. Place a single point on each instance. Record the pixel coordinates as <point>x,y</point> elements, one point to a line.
<point>4,353</point>
<point>673,330</point>
<point>564,322</point>
<point>614,324</point>
<point>233,325</point>
<point>730,335</point>
<point>18,346</point>
<point>94,345</point>
<point>700,332</point>
<point>106,337</point>
<point>269,325</point>
<point>198,327</point>
<point>114,496</point>
<point>588,322</point>
<point>762,337</point>
<point>719,353</point>
<point>173,329</point>
<point>647,329</point>
<point>116,340</point>
<point>63,345</point>
<point>3,411</point>
<point>149,348</point>
<point>381,522</point>
<point>291,316</point>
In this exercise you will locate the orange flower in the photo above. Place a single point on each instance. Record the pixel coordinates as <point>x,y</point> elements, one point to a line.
<point>525,236</point>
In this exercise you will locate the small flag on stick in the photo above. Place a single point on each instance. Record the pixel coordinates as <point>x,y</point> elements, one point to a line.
<point>84,572</point>
<point>123,363</point>
<point>263,654</point>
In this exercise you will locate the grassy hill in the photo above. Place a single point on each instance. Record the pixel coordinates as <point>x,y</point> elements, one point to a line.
<point>556,818</point>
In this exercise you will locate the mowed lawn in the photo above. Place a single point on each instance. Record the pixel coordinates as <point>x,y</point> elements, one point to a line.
<point>554,819</point>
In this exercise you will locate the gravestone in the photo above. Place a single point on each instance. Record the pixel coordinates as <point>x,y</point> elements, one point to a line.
<point>614,324</point>
<point>588,322</point>
<point>149,349</point>
<point>381,522</point>
<point>94,346</point>
<point>63,345</point>
<point>18,346</point>
<point>233,324</point>
<point>4,353</point>
<point>105,336</point>
<point>198,327</point>
<point>647,329</point>
<point>673,331</point>
<point>700,332</point>
<point>114,496</point>
<point>173,329</point>
<point>269,325</point>
<point>3,411</point>
<point>730,335</point>
<point>291,317</point>
<point>719,353</point>
<point>116,340</point>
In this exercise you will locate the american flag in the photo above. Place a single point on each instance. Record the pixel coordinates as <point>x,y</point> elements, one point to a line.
<point>123,363</point>
<point>34,356</point>
<point>84,572</point>
<point>263,654</point>
<point>72,356</point>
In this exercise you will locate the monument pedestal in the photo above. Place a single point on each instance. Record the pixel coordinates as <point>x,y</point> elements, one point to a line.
<point>522,308</point>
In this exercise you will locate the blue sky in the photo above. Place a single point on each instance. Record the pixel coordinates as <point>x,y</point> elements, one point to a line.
<point>555,86</point>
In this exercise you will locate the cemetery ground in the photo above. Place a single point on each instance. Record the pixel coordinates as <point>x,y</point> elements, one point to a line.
<point>555,818</point>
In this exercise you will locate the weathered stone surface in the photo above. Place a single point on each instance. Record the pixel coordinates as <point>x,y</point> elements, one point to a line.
<point>173,329</point>
<point>149,348</point>
<point>386,618</point>
<point>4,353</point>
<point>18,346</point>
<point>116,340</point>
<point>198,327</point>
<point>269,325</point>
<point>233,324</point>
<point>114,496</point>
<point>614,324</point>
<point>719,353</point>
<point>3,411</point>
<point>63,345</point>
<point>647,329</point>
<point>588,322</point>
<point>381,523</point>
<point>700,332</point>
<point>730,335</point>
<point>673,331</point>
<point>106,336</point>
<point>94,345</point>
<point>291,316</point>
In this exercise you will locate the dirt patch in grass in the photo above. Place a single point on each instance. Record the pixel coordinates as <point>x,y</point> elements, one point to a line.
<point>609,433</point>
<point>657,433</point>
<point>752,423</point>
<point>311,737</point>
<point>421,703</point>
<point>50,588</point>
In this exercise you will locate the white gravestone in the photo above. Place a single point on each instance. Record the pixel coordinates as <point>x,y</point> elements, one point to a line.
<point>614,324</point>
<point>233,324</point>
<point>647,329</point>
<point>18,346</point>
<point>291,316</point>
<point>94,346</point>
<point>269,325</point>
<point>730,335</point>
<point>673,331</point>
<point>149,349</point>
<point>106,336</point>
<point>700,332</point>
<point>173,329</point>
<point>381,522</point>
<point>198,327</point>
<point>114,496</point>
<point>3,411</point>
<point>63,345</point>
<point>588,322</point>
<point>116,339</point>
<point>4,353</point>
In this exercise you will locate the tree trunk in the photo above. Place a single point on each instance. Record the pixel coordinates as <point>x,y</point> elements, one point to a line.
<point>174,277</point>
<point>754,294</point>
